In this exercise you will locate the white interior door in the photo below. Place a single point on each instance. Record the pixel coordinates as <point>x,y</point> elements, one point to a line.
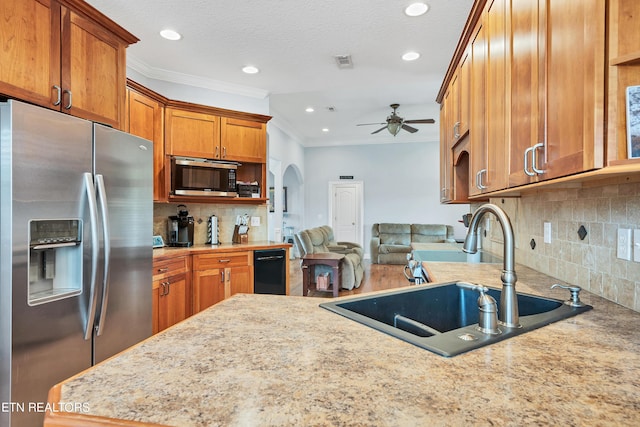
<point>346,211</point>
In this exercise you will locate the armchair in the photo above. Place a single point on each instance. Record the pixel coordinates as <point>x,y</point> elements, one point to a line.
<point>321,239</point>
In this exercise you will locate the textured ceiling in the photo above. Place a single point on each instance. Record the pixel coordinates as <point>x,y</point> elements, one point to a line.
<point>293,42</point>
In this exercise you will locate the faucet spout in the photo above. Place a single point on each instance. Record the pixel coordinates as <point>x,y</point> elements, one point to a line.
<point>508,314</point>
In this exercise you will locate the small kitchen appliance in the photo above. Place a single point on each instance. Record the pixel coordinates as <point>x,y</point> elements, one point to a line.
<point>180,228</point>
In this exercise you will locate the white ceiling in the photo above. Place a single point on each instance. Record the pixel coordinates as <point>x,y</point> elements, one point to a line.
<point>293,43</point>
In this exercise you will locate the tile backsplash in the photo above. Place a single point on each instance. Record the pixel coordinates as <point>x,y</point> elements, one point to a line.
<point>201,212</point>
<point>591,263</point>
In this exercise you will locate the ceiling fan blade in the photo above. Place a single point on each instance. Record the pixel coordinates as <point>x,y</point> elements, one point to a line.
<point>367,124</point>
<point>409,128</point>
<point>420,121</point>
<point>381,129</point>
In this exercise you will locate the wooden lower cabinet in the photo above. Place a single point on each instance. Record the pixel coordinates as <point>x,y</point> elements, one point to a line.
<point>217,276</point>
<point>171,292</point>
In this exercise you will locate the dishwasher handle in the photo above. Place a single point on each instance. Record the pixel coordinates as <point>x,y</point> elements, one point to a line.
<point>269,258</point>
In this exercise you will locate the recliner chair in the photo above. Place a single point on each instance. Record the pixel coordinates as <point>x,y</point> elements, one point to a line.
<point>321,240</point>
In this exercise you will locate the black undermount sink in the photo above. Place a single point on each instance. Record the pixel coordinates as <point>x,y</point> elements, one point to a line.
<point>443,318</point>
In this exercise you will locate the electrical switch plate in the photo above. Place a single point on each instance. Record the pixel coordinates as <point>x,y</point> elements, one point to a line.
<point>636,245</point>
<point>547,232</point>
<point>624,243</point>
<point>255,221</point>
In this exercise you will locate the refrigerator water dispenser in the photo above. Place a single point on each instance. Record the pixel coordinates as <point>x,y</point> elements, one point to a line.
<point>55,260</point>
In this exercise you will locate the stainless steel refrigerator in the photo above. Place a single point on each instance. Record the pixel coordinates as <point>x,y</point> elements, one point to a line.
<point>76,229</point>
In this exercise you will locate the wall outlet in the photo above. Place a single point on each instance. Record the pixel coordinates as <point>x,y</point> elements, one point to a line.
<point>636,245</point>
<point>547,232</point>
<point>624,243</point>
<point>255,221</point>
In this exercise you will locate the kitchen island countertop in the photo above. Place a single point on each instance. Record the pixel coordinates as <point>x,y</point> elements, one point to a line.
<point>282,360</point>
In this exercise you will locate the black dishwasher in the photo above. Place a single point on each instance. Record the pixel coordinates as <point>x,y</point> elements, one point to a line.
<point>268,272</point>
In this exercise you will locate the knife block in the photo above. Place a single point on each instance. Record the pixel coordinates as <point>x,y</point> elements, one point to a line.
<point>239,237</point>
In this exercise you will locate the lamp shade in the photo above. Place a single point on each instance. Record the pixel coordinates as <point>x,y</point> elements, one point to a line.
<point>394,128</point>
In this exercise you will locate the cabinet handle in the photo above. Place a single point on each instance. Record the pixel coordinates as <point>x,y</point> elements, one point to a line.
<point>526,162</point>
<point>222,276</point>
<point>164,289</point>
<point>224,152</point>
<point>217,152</point>
<point>479,184</point>
<point>163,270</point>
<point>59,98</point>
<point>456,130</point>
<point>68,92</point>
<point>224,261</point>
<point>534,156</point>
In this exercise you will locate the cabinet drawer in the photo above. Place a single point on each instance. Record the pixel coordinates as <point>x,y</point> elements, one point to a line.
<point>220,260</point>
<point>169,267</point>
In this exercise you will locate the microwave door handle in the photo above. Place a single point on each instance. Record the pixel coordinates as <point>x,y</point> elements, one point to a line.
<point>104,210</point>
<point>95,252</point>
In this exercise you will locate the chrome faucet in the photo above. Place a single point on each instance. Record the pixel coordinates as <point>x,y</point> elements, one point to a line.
<point>508,313</point>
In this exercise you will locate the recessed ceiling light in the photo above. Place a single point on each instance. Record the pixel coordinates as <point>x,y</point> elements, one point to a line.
<point>411,56</point>
<point>250,69</point>
<point>170,34</point>
<point>325,129</point>
<point>416,9</point>
<point>309,110</point>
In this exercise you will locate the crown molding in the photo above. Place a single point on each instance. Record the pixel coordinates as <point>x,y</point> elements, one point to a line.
<point>190,80</point>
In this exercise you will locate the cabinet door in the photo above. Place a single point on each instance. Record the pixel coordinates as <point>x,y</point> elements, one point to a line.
<point>527,127</point>
<point>464,106</point>
<point>155,302</point>
<point>574,86</point>
<point>240,279</point>
<point>172,302</point>
<point>496,162</point>
<point>243,140</point>
<point>93,71</point>
<point>477,130</point>
<point>192,134</point>
<point>145,119</point>
<point>30,50</point>
<point>445,154</point>
<point>208,287</point>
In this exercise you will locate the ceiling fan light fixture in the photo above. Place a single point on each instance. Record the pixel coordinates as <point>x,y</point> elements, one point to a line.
<point>411,56</point>
<point>416,9</point>
<point>394,128</point>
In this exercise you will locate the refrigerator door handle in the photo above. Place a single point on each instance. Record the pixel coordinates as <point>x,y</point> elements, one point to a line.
<point>95,252</point>
<point>102,203</point>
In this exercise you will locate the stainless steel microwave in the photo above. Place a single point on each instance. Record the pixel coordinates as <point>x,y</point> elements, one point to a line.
<point>203,177</point>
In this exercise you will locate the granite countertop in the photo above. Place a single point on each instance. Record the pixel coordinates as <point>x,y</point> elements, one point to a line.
<point>168,251</point>
<point>282,360</point>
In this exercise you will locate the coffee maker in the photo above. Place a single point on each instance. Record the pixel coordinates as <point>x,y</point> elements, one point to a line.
<point>180,228</point>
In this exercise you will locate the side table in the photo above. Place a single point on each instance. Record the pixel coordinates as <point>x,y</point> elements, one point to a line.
<point>325,258</point>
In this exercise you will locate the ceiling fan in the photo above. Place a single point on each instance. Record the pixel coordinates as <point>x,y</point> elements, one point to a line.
<point>395,123</point>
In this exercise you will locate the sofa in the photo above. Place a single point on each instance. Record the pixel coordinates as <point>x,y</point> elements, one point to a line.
<point>321,239</point>
<point>390,243</point>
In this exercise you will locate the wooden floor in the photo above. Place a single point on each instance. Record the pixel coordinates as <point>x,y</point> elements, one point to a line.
<point>376,277</point>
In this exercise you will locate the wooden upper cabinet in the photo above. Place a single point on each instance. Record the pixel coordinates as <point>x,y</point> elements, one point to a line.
<point>66,56</point>
<point>192,134</point>
<point>574,86</point>
<point>243,140</point>
<point>145,119</point>
<point>464,103</point>
<point>558,88</point>
<point>30,53</point>
<point>477,130</point>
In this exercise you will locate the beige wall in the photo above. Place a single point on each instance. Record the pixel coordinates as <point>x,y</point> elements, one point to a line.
<point>201,212</point>
<point>590,263</point>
